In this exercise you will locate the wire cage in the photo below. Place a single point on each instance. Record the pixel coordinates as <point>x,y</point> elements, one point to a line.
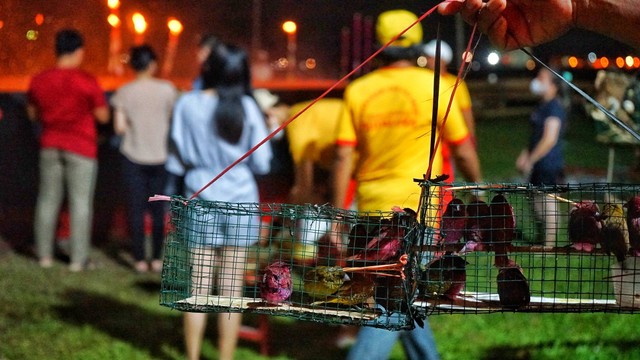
<point>509,247</point>
<point>289,260</point>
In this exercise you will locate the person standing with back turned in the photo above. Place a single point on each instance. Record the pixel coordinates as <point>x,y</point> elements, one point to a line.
<point>211,129</point>
<point>142,115</point>
<point>386,113</point>
<point>67,101</point>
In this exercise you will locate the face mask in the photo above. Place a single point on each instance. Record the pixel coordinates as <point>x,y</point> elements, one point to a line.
<point>537,87</point>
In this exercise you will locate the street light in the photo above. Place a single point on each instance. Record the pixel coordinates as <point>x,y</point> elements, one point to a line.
<point>175,29</point>
<point>290,28</point>
<point>113,4</point>
<point>115,41</point>
<point>139,26</point>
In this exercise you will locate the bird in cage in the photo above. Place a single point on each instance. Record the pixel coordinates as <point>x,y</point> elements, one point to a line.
<point>358,291</point>
<point>477,226</point>
<point>323,281</point>
<point>585,225</point>
<point>444,276</point>
<point>615,237</point>
<point>393,293</point>
<point>358,238</point>
<point>633,223</point>
<point>275,284</point>
<point>453,221</point>
<point>513,287</point>
<point>503,224</point>
<point>387,239</point>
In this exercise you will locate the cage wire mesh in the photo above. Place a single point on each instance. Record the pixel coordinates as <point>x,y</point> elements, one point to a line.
<point>283,260</point>
<point>509,247</point>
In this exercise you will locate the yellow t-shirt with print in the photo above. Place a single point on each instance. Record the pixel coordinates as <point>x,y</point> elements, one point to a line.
<point>387,118</point>
<point>312,136</point>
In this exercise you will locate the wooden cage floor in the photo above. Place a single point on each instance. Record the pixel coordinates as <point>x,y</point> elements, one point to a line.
<point>213,303</point>
<point>479,302</point>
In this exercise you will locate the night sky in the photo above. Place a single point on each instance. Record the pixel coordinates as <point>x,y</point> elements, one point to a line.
<point>319,27</point>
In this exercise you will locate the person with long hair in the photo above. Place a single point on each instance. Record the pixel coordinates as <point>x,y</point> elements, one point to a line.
<point>212,128</point>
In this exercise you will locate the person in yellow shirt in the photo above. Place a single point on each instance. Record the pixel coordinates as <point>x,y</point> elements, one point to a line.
<point>386,116</point>
<point>387,120</point>
<point>311,138</point>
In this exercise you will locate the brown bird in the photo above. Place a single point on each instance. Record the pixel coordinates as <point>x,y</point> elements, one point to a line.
<point>585,225</point>
<point>275,285</point>
<point>323,281</point>
<point>513,287</point>
<point>633,224</point>
<point>453,221</point>
<point>477,226</point>
<point>357,291</point>
<point>615,237</point>
<point>444,276</point>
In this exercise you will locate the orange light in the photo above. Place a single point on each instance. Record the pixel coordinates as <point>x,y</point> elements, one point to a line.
<point>604,62</point>
<point>530,64</point>
<point>289,27</point>
<point>175,26</point>
<point>113,20</point>
<point>636,62</point>
<point>573,61</point>
<point>39,19</point>
<point>113,4</point>
<point>310,63</point>
<point>467,56</point>
<point>139,23</point>
<point>619,62</point>
<point>1,24</point>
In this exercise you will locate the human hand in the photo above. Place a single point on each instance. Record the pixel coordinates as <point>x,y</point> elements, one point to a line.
<point>523,163</point>
<point>512,24</point>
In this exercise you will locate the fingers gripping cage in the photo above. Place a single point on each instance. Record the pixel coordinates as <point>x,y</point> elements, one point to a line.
<point>511,247</point>
<point>308,262</point>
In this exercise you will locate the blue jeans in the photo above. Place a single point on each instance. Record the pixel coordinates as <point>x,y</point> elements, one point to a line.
<point>374,343</point>
<point>143,181</point>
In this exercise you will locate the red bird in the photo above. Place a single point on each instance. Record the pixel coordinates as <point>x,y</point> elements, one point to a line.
<point>633,224</point>
<point>585,225</point>
<point>453,221</point>
<point>513,287</point>
<point>387,240</point>
<point>476,228</point>
<point>275,285</point>
<point>503,224</point>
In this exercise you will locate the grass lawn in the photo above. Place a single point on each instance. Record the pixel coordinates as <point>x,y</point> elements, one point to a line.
<point>113,313</point>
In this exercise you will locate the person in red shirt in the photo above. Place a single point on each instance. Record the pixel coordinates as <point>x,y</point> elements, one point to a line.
<point>66,101</point>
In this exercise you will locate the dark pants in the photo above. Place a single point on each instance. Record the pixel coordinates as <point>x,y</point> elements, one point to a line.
<point>143,181</point>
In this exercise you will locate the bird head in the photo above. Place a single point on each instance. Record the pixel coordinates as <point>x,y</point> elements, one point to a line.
<point>633,205</point>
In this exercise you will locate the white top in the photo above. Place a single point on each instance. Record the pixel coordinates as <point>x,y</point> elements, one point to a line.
<point>147,104</point>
